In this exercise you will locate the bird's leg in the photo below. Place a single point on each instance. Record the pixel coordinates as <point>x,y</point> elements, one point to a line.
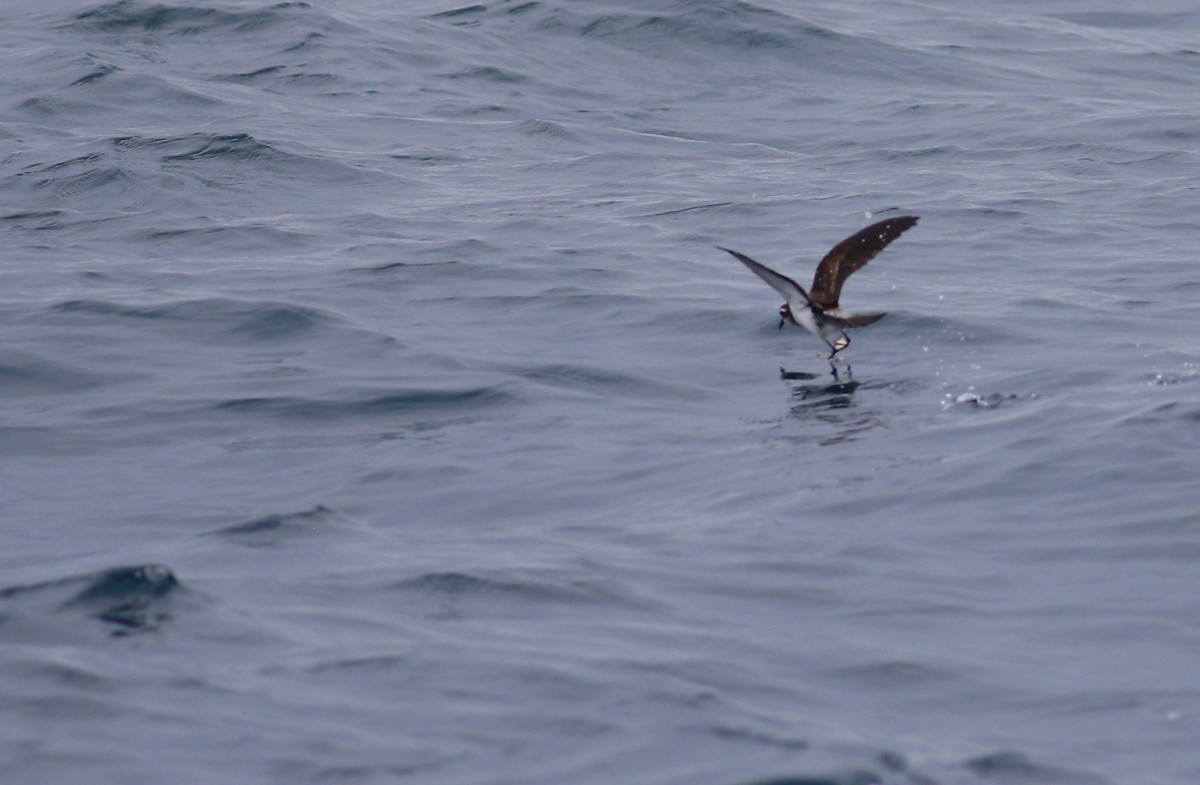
<point>837,346</point>
<point>834,348</point>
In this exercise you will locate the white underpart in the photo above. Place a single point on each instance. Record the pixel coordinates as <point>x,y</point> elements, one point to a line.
<point>804,316</point>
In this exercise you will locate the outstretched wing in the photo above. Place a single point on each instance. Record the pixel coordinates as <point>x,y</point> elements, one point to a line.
<point>852,254</point>
<point>791,291</point>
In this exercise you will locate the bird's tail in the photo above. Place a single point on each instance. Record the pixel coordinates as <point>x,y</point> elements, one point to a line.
<point>857,319</point>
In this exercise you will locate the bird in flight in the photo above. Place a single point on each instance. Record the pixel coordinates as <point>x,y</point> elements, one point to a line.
<point>817,310</point>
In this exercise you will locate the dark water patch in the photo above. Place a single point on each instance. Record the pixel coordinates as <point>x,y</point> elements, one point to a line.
<point>1172,414</point>
<point>1182,552</point>
<point>432,156</point>
<point>723,732</point>
<point>1127,20</point>
<point>271,531</point>
<point>382,663</point>
<point>472,15</point>
<point>888,768</point>
<point>743,37</point>
<point>451,252</point>
<point>453,589</point>
<point>699,208</point>
<point>182,19</point>
<point>34,441</point>
<point>46,106</point>
<point>30,374</point>
<point>228,238</point>
<point>1110,701</point>
<point>598,381</point>
<point>92,180</point>
<point>233,159</point>
<point>597,165</point>
<point>708,23</point>
<point>127,600</point>
<point>853,777</point>
<point>95,75</point>
<point>466,15</point>
<point>275,322</point>
<point>69,177</point>
<point>914,154</point>
<point>283,76</point>
<point>322,80</point>
<point>77,678</point>
<point>242,320</point>
<point>392,431</point>
<point>1006,212</point>
<point>44,218</point>
<point>406,403</point>
<point>488,73</point>
<point>545,129</point>
<point>487,111</point>
<point>257,74</point>
<point>288,78</point>
<point>554,300</point>
<point>702,317</point>
<point>395,266</point>
<point>101,95</point>
<point>1015,768</point>
<point>310,41</point>
<point>518,8</point>
<point>235,147</point>
<point>1182,525</point>
<point>1119,137</point>
<point>894,675</point>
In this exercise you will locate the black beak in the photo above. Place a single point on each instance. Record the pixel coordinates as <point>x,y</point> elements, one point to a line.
<point>781,323</point>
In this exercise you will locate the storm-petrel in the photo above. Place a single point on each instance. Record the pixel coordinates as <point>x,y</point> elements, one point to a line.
<point>817,310</point>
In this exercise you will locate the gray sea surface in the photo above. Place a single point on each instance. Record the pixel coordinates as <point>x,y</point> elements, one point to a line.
<point>376,408</point>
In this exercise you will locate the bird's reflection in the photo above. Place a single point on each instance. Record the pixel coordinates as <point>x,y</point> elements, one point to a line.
<point>832,403</point>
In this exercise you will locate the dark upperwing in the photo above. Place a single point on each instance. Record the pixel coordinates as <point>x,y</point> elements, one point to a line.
<point>852,254</point>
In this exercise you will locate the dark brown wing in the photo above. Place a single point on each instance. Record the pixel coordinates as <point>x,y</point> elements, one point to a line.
<point>852,254</point>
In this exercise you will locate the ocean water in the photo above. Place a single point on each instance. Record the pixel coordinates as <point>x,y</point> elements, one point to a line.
<point>375,406</point>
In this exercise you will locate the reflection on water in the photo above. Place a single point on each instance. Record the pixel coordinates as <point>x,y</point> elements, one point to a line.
<point>839,395</point>
<point>834,404</point>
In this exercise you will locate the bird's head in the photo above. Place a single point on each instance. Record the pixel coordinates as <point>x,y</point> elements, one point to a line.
<point>785,315</point>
